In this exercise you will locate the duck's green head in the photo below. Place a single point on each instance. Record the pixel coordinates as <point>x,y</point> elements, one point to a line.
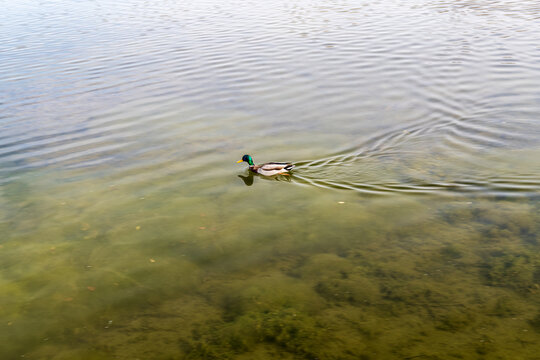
<point>246,158</point>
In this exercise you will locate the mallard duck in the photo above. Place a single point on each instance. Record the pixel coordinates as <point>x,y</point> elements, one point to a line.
<point>267,169</point>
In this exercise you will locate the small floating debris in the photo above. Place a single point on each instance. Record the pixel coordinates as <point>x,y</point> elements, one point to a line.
<point>91,288</point>
<point>152,260</point>
<point>202,227</point>
<point>341,202</point>
<point>137,228</point>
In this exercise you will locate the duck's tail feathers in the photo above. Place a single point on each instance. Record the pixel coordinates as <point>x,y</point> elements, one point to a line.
<point>289,167</point>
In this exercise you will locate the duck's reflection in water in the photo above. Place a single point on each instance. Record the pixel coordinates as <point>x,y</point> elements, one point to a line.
<point>249,178</point>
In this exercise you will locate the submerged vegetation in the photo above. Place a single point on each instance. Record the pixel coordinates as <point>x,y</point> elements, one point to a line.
<point>462,282</point>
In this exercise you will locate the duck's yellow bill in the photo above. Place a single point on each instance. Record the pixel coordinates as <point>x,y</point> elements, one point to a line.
<point>239,161</point>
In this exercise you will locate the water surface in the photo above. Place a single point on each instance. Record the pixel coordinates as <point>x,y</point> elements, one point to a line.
<point>409,229</point>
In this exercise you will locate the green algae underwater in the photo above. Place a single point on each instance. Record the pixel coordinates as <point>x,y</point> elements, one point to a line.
<point>269,271</point>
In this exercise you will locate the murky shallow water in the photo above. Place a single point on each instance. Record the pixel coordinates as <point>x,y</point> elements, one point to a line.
<point>410,228</point>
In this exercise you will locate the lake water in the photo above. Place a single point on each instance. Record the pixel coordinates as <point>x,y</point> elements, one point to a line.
<point>410,228</point>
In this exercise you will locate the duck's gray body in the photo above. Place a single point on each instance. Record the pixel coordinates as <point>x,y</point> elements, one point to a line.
<point>272,168</point>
